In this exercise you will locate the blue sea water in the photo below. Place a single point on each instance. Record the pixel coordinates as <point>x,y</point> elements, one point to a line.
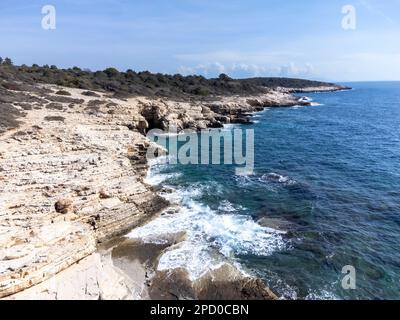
<point>325,193</point>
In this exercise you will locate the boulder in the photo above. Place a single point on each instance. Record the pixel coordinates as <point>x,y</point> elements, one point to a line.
<point>64,205</point>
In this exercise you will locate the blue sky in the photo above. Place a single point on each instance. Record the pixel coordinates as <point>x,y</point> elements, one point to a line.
<point>241,38</point>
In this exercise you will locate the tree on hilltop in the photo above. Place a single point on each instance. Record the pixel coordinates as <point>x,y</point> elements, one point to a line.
<point>224,77</point>
<point>7,62</point>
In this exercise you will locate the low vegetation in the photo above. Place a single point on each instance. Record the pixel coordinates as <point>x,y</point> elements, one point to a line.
<point>54,118</point>
<point>8,117</point>
<point>63,93</point>
<point>129,83</point>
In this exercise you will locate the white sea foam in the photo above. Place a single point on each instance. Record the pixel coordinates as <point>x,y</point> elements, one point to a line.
<point>322,295</point>
<point>211,238</point>
<point>227,206</point>
<point>309,100</point>
<point>316,104</point>
<point>157,179</point>
<point>243,180</point>
<point>155,176</point>
<point>275,177</point>
<point>159,161</point>
<point>230,126</point>
<point>297,107</point>
<point>183,195</point>
<point>305,99</point>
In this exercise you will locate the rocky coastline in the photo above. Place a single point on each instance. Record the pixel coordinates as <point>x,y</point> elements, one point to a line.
<point>72,168</point>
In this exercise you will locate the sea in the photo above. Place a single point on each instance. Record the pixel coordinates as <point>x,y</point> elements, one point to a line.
<point>324,198</point>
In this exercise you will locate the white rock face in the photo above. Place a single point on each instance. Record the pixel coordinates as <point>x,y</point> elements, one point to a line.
<point>67,184</point>
<point>93,278</point>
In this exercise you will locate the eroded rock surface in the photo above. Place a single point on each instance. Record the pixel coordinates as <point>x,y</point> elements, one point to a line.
<point>68,184</point>
<point>223,283</point>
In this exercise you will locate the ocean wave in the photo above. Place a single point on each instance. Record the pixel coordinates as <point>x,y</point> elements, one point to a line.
<point>305,99</point>
<point>321,295</point>
<point>277,178</point>
<point>230,126</point>
<point>155,179</point>
<point>253,181</point>
<point>243,180</point>
<point>155,175</point>
<point>210,238</point>
<point>195,259</point>
<point>226,206</point>
<point>181,195</point>
<point>156,165</point>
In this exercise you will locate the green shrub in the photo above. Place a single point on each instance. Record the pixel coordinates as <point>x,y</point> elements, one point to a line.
<point>63,93</point>
<point>90,94</point>
<point>111,72</point>
<point>124,84</point>
<point>7,62</point>
<point>54,118</point>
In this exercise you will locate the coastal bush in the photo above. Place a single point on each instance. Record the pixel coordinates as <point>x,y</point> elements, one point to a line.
<point>54,118</point>
<point>25,106</point>
<point>145,83</point>
<point>111,72</point>
<point>92,103</point>
<point>54,106</point>
<point>90,94</point>
<point>7,62</point>
<point>92,109</point>
<point>9,117</point>
<point>63,93</point>
<point>65,99</point>
<point>200,91</point>
<point>11,86</point>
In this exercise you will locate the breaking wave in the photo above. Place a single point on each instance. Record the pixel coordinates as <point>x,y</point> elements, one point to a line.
<point>210,236</point>
<point>277,178</point>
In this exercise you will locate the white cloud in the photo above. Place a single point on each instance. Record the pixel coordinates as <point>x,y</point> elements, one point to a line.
<point>248,70</point>
<point>294,70</point>
<point>206,69</point>
<point>243,64</point>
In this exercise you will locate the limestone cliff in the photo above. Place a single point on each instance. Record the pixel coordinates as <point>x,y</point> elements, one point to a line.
<point>71,176</point>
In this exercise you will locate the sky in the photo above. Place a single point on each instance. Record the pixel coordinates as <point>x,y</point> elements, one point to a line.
<point>291,38</point>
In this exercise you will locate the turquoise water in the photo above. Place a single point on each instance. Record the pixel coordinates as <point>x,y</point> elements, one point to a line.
<point>327,176</point>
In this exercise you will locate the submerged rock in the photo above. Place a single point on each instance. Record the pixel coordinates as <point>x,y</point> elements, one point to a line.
<point>223,283</point>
